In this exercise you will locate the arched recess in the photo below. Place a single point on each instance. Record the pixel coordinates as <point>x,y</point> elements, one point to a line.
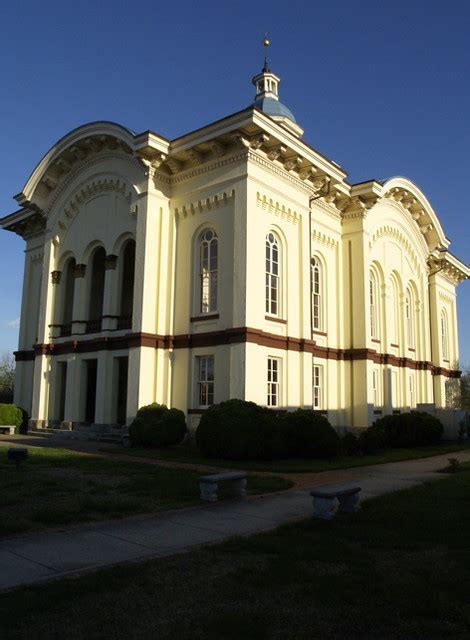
<point>275,272</point>
<point>318,291</point>
<point>444,330</point>
<point>377,327</point>
<point>393,310</point>
<point>207,266</point>
<point>96,280</point>
<point>126,284</point>
<point>413,318</point>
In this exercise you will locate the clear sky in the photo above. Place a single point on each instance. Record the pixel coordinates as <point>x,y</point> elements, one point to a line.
<point>382,88</point>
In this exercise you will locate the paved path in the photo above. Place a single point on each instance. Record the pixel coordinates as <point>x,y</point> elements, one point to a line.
<point>48,555</point>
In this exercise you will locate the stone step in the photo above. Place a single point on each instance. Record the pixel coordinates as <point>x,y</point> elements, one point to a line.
<point>89,436</point>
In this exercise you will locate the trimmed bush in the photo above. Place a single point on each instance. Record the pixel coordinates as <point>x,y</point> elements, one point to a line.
<point>157,426</point>
<point>372,439</point>
<point>350,444</point>
<point>308,434</point>
<point>414,429</point>
<point>10,414</point>
<point>239,430</point>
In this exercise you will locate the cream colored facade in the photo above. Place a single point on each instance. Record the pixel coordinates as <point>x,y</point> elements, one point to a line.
<point>148,261</point>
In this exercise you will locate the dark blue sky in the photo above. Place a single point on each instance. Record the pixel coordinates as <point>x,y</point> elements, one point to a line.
<point>381,88</point>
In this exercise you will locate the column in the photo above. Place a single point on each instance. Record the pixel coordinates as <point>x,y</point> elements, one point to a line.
<point>41,384</point>
<point>79,315</point>
<point>110,310</point>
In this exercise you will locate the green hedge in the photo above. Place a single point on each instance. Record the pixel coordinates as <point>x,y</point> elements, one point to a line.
<point>10,414</point>
<point>240,430</point>
<point>307,434</point>
<point>403,430</point>
<point>157,426</point>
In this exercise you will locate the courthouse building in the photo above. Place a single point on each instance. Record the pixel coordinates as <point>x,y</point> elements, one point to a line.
<point>235,261</point>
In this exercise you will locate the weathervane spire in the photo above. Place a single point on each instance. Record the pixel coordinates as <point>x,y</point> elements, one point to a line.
<point>266,44</point>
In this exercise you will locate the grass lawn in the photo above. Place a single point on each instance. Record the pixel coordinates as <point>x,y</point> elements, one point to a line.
<point>58,487</point>
<point>397,570</point>
<point>190,454</point>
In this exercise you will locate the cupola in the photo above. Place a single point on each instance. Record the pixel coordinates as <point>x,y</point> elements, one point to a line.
<point>267,97</point>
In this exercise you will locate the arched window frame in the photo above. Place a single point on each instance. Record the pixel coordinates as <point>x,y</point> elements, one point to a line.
<point>409,319</point>
<point>208,265</point>
<point>273,271</point>
<point>373,306</point>
<point>444,335</point>
<point>316,283</point>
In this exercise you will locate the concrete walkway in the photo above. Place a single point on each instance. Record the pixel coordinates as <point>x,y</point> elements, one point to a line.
<point>49,555</point>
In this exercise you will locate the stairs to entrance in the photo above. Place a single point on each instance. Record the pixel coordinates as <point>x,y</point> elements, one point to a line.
<point>112,434</point>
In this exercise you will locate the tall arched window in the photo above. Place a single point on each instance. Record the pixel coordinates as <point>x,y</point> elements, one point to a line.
<point>410,334</point>
<point>68,293</point>
<point>208,265</point>
<point>272,275</point>
<point>317,302</point>
<point>96,290</point>
<point>444,336</point>
<point>127,285</point>
<point>373,308</point>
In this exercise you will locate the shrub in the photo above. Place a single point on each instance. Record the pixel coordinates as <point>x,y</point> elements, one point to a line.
<point>372,439</point>
<point>10,414</point>
<point>350,444</point>
<point>308,434</point>
<point>239,430</point>
<point>157,426</point>
<point>413,429</point>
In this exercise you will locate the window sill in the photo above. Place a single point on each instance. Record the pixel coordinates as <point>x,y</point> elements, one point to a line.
<point>397,346</point>
<point>411,349</point>
<point>319,333</point>
<point>208,316</point>
<point>376,340</point>
<point>274,319</point>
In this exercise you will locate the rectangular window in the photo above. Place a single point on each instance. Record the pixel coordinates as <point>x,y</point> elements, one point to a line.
<point>375,383</point>
<point>274,382</point>
<point>205,380</point>
<point>412,392</point>
<point>317,401</point>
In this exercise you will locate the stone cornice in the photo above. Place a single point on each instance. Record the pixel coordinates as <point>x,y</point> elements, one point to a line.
<point>279,210</point>
<point>198,206</point>
<point>85,164</point>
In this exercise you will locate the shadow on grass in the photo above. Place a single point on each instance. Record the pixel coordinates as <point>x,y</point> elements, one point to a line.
<point>398,569</point>
<point>189,454</point>
<point>59,487</point>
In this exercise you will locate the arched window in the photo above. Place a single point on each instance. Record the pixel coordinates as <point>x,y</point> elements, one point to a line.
<point>373,299</point>
<point>96,290</point>
<point>444,336</point>
<point>272,275</point>
<point>317,301</point>
<point>410,334</point>
<point>208,265</point>
<point>127,285</point>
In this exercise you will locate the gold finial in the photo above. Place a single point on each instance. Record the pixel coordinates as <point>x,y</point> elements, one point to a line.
<point>266,44</point>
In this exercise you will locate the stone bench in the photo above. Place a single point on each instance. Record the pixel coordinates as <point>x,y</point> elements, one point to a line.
<point>209,485</point>
<point>8,429</point>
<point>328,501</point>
